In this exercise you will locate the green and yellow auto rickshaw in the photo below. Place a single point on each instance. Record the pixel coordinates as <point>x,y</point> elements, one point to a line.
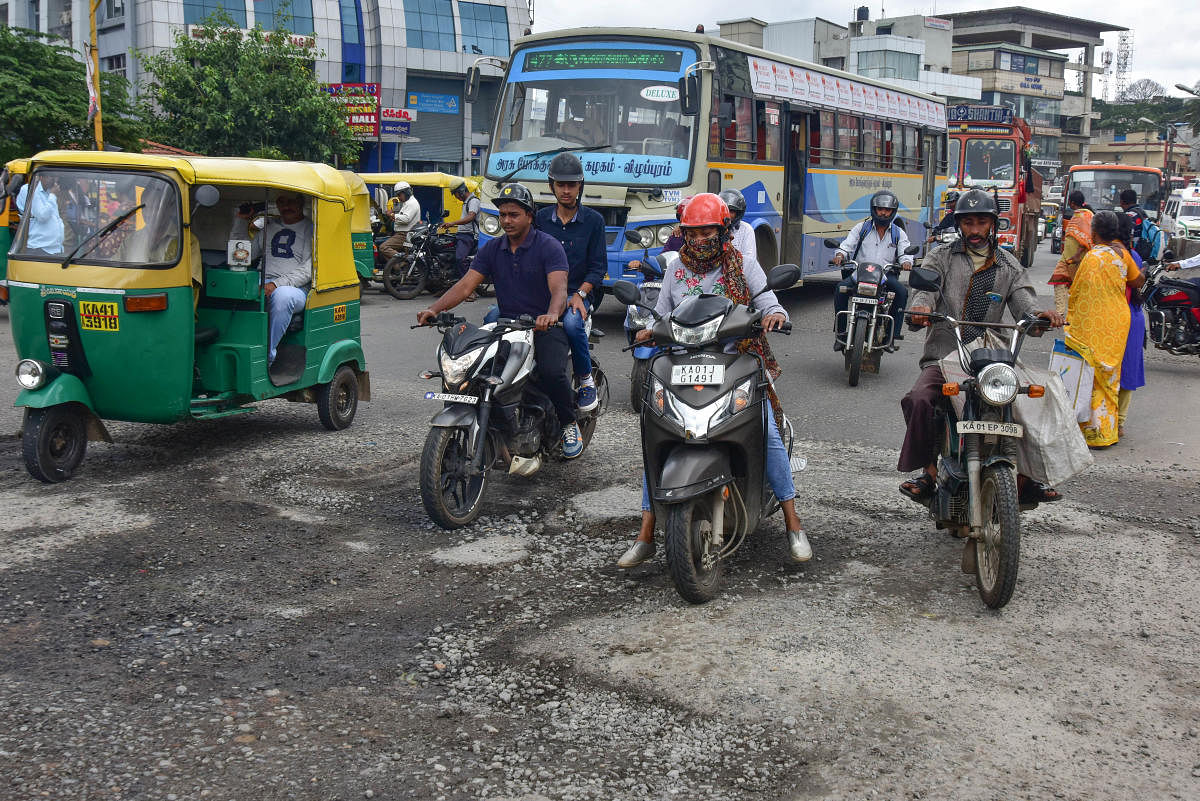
<point>12,177</point>
<point>153,311</point>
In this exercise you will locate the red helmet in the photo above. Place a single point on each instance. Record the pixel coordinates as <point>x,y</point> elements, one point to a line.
<point>705,209</point>
<point>679,208</point>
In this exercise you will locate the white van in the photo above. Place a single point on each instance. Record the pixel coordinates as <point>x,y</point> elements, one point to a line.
<point>1181,216</point>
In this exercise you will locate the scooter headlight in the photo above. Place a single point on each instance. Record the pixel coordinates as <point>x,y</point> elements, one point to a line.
<point>456,368</point>
<point>697,335</point>
<point>998,384</point>
<point>32,374</point>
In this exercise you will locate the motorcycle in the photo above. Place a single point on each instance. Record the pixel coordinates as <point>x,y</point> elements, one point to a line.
<point>636,319</point>
<point>868,322</point>
<point>427,263</point>
<point>1172,308</point>
<point>494,415</point>
<point>976,496</point>
<point>703,432</point>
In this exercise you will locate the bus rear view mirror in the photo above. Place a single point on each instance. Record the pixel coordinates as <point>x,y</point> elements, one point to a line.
<point>472,91</point>
<point>689,95</point>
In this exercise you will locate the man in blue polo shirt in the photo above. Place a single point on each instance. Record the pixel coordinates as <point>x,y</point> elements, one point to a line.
<point>580,230</point>
<point>528,269</point>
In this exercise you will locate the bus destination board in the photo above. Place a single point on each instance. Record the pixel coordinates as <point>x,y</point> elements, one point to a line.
<point>600,59</point>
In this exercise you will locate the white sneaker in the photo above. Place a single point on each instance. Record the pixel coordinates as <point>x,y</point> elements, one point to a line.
<point>638,552</point>
<point>798,546</point>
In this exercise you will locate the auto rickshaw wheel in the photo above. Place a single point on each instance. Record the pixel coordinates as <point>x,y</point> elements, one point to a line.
<point>337,401</point>
<point>54,441</point>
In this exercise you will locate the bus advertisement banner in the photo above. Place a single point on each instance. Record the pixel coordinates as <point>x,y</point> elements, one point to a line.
<point>799,84</point>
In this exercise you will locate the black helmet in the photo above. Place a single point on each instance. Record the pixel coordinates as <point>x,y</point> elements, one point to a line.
<point>884,199</point>
<point>516,193</point>
<point>952,198</point>
<point>976,201</point>
<point>565,167</point>
<point>736,202</point>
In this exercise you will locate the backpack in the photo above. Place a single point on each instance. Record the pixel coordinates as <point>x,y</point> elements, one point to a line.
<point>1151,241</point>
<point>862,234</point>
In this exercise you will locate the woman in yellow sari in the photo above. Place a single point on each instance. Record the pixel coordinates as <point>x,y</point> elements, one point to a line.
<point>1098,320</point>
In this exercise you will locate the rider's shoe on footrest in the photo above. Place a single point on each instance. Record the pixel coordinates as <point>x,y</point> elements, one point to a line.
<point>588,399</point>
<point>572,441</point>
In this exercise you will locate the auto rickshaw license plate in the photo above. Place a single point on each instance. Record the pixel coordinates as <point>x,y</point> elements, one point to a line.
<point>990,427</point>
<point>446,396</point>
<point>94,316</point>
<point>707,374</point>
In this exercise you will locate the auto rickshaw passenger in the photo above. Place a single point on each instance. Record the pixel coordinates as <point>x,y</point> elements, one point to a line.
<point>287,261</point>
<point>45,221</point>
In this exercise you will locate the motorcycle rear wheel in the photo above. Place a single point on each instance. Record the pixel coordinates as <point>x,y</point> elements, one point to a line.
<point>998,553</point>
<point>452,497</point>
<point>687,528</point>
<point>587,420</point>
<point>855,355</point>
<point>403,278</point>
<point>637,384</point>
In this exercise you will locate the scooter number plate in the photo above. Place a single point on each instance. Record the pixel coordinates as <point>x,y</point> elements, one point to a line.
<point>704,374</point>
<point>990,427</point>
<point>446,396</point>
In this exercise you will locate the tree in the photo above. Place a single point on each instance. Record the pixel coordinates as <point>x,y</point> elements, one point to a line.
<point>44,98</point>
<point>1141,91</point>
<point>222,94</point>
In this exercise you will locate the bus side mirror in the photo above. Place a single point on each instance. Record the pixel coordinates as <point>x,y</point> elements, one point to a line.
<point>471,94</point>
<point>689,95</point>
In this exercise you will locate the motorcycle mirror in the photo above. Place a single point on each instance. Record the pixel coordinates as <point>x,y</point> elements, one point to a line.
<point>445,213</point>
<point>927,226</point>
<point>633,237</point>
<point>626,292</point>
<point>833,243</point>
<point>912,250</point>
<point>1168,255</point>
<point>1068,212</point>
<point>783,276</point>
<point>925,279</point>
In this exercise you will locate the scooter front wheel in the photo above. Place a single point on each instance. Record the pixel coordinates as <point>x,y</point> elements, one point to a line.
<point>691,559</point>
<point>998,552</point>
<point>451,493</point>
<point>54,441</point>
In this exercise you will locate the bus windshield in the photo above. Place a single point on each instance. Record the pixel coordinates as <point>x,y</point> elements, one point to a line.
<point>1102,188</point>
<point>615,104</point>
<point>990,162</point>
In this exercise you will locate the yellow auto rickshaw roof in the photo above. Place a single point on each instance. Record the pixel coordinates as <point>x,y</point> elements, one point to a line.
<point>444,180</point>
<point>18,166</point>
<point>310,178</point>
<point>362,202</point>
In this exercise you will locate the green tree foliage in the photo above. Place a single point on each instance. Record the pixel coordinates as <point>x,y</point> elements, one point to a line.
<point>1123,118</point>
<point>221,94</point>
<point>44,98</point>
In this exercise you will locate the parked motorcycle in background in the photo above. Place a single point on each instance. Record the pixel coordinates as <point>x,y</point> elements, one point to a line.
<point>703,432</point>
<point>868,321</point>
<point>1172,310</point>
<point>426,263</point>
<point>494,415</point>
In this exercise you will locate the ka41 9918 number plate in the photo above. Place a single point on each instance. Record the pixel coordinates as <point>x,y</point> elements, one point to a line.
<point>687,374</point>
<point>990,427</point>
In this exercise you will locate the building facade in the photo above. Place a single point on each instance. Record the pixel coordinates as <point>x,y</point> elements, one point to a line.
<point>418,51</point>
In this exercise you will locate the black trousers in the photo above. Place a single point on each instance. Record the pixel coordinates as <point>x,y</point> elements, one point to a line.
<point>553,354</point>
<point>920,407</point>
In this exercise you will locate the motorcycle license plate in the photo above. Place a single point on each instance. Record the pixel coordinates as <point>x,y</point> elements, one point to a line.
<point>707,374</point>
<point>990,427</point>
<point>446,396</point>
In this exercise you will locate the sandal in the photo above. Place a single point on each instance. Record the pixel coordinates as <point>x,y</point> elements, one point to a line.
<point>1036,492</point>
<point>919,487</point>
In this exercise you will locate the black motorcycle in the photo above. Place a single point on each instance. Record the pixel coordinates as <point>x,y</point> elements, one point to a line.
<point>494,415</point>
<point>426,263</point>
<point>868,321</point>
<point>1172,311</point>
<point>976,496</point>
<point>703,424</point>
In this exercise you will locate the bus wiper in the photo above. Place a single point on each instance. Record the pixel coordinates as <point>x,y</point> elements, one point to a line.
<point>102,233</point>
<point>526,160</point>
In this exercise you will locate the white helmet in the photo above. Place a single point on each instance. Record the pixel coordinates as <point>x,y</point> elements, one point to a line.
<point>402,186</point>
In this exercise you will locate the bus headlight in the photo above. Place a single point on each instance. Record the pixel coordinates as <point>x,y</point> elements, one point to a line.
<point>1004,224</point>
<point>490,224</point>
<point>998,384</point>
<point>647,235</point>
<point>664,233</point>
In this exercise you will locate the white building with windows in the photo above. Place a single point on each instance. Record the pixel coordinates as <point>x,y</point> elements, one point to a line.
<point>417,50</point>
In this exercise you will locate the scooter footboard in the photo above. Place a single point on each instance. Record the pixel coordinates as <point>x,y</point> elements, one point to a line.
<point>692,471</point>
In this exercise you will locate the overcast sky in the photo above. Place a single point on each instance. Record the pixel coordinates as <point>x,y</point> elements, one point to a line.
<point>1165,34</point>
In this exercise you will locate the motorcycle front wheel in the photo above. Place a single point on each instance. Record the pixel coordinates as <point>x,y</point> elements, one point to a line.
<point>998,552</point>
<point>403,278</point>
<point>452,496</point>
<point>637,383</point>
<point>694,567</point>
<point>855,355</point>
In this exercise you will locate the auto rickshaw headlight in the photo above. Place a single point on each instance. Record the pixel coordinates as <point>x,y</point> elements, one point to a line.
<point>32,374</point>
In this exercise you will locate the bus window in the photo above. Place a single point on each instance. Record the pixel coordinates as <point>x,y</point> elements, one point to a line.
<point>990,162</point>
<point>912,149</point>
<point>872,144</point>
<point>737,137</point>
<point>953,162</point>
<point>890,143</point>
<point>847,140</point>
<point>768,131</point>
<point>827,138</point>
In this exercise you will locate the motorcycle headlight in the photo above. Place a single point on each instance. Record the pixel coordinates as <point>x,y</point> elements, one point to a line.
<point>698,335</point>
<point>998,384</point>
<point>869,290</point>
<point>948,238</point>
<point>490,224</point>
<point>455,368</point>
<point>664,233</point>
<point>31,374</point>
<point>696,423</point>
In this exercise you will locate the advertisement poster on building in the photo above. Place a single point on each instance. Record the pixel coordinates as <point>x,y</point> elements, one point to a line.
<point>360,106</point>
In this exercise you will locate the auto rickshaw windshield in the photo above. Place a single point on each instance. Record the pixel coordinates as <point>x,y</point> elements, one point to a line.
<point>70,209</point>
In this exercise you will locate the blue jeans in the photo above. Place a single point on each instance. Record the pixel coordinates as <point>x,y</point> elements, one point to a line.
<point>779,467</point>
<point>576,328</point>
<point>281,305</point>
<point>841,302</point>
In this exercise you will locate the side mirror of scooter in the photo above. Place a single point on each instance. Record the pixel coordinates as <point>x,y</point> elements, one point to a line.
<point>925,279</point>
<point>1168,255</point>
<point>833,243</point>
<point>634,238</point>
<point>912,250</point>
<point>626,292</point>
<point>782,277</point>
